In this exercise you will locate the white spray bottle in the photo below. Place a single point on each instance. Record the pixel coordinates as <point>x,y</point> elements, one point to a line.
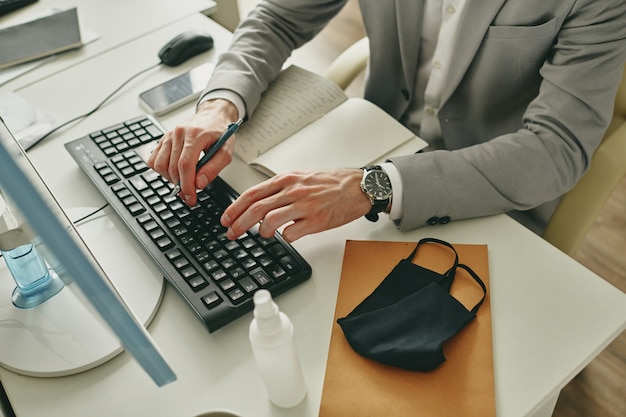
<point>274,349</point>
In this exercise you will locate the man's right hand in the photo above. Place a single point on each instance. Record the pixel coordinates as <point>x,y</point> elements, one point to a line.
<point>178,151</point>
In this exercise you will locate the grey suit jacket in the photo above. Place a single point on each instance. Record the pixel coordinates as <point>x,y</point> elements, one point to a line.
<point>529,94</point>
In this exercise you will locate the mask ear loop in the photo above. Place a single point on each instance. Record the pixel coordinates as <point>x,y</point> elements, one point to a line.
<point>480,282</point>
<point>449,274</point>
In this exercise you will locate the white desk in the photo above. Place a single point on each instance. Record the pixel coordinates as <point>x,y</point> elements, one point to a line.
<point>551,316</point>
<point>115,22</point>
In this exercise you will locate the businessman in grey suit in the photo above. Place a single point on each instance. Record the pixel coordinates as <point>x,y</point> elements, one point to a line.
<point>513,97</point>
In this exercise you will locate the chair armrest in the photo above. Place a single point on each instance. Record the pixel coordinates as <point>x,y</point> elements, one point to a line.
<point>580,206</point>
<point>349,64</point>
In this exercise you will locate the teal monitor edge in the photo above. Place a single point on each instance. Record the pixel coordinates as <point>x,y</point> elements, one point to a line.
<point>89,279</point>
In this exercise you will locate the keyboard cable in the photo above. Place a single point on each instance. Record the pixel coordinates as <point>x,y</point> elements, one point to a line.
<point>85,217</point>
<point>95,109</point>
<point>98,210</point>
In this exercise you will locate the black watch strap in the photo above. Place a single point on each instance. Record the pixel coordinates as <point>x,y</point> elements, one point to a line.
<point>377,207</point>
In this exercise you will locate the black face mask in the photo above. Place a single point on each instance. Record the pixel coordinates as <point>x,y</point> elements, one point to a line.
<point>409,316</point>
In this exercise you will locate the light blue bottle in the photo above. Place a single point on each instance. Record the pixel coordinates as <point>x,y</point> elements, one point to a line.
<point>35,282</point>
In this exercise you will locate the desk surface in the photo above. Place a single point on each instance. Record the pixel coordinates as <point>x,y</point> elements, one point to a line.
<point>103,19</point>
<point>551,316</point>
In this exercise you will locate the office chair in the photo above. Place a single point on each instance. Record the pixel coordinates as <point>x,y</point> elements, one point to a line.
<point>579,207</point>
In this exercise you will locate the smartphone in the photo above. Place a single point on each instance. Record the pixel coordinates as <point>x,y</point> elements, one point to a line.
<point>178,91</point>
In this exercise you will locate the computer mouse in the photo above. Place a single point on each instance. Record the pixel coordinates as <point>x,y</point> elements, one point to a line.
<point>184,46</point>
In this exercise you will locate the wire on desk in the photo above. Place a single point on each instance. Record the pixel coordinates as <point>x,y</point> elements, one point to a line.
<point>95,109</point>
<point>85,217</point>
<point>90,214</point>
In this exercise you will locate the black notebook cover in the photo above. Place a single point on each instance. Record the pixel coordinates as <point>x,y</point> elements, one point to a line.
<point>39,38</point>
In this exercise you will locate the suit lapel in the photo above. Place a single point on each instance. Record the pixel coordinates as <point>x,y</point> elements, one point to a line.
<point>478,16</point>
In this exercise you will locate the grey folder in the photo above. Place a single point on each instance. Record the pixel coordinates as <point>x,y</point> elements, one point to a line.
<point>38,38</point>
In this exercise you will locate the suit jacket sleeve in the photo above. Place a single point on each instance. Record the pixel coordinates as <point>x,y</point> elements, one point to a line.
<point>263,42</point>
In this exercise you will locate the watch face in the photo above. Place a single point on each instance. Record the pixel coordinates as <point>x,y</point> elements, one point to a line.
<point>377,185</point>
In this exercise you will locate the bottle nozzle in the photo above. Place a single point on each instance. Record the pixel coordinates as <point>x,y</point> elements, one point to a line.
<point>264,306</point>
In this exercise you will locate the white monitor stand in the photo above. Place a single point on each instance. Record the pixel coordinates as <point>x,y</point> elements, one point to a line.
<point>57,337</point>
<point>64,335</point>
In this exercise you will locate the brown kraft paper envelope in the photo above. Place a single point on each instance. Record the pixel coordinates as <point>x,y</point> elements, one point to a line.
<point>462,386</point>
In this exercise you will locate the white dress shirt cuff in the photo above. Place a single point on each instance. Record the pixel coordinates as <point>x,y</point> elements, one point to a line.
<point>226,95</point>
<point>396,186</point>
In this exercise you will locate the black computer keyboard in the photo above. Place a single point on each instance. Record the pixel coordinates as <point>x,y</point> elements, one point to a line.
<point>7,6</point>
<point>216,276</point>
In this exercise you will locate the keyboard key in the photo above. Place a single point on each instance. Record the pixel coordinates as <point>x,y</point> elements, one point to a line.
<point>227,284</point>
<point>212,299</point>
<point>164,244</point>
<point>289,263</point>
<point>136,209</point>
<point>237,273</point>
<point>197,283</point>
<point>261,277</point>
<point>180,263</point>
<point>248,285</point>
<point>188,273</point>
<point>173,254</point>
<point>236,295</point>
<point>277,272</point>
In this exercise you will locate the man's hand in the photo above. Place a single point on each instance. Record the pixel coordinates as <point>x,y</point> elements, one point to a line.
<point>307,202</point>
<point>178,151</point>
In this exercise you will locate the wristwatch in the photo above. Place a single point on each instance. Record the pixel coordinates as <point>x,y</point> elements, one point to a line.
<point>377,187</point>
